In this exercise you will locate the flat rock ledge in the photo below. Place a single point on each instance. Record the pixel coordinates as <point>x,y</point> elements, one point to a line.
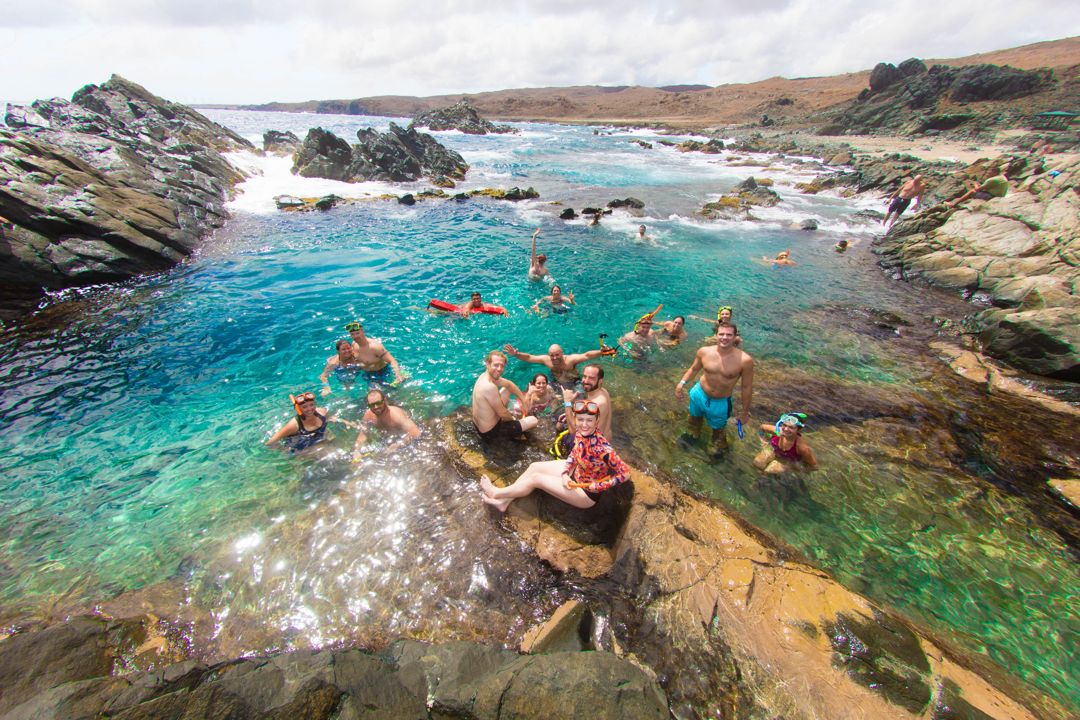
<point>1021,253</point>
<point>75,671</point>
<point>111,184</point>
<point>732,619</point>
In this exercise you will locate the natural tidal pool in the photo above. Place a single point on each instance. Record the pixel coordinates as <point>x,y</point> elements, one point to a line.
<point>134,415</point>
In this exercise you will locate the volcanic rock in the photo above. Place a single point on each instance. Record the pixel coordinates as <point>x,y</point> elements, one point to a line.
<point>113,183</point>
<point>459,116</point>
<point>399,155</point>
<point>994,82</point>
<point>567,214</point>
<point>711,147</point>
<point>630,202</point>
<point>883,75</point>
<point>809,224</point>
<point>280,143</point>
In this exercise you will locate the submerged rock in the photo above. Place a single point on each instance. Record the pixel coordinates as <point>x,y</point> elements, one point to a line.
<point>459,116</point>
<point>113,183</point>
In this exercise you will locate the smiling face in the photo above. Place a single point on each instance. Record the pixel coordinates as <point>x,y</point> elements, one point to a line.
<point>496,364</point>
<point>376,402</point>
<point>590,378</point>
<point>725,315</point>
<point>557,356</point>
<point>556,293</point>
<point>585,424</point>
<point>725,335</point>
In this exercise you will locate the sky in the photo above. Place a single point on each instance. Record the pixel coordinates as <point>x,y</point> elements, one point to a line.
<point>253,51</point>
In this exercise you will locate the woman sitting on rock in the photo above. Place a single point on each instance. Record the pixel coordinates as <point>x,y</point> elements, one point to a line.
<point>783,447</point>
<point>592,468</point>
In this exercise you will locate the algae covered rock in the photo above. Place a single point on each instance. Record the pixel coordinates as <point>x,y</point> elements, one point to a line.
<point>459,116</point>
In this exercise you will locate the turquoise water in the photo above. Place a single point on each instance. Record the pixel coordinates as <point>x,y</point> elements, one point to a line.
<point>134,416</point>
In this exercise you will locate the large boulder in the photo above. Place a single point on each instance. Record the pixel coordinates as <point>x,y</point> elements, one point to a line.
<point>281,143</point>
<point>994,82</point>
<point>459,116</point>
<point>399,155</point>
<point>113,183</point>
<point>883,75</point>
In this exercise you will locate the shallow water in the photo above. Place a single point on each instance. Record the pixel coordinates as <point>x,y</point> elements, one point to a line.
<point>134,415</point>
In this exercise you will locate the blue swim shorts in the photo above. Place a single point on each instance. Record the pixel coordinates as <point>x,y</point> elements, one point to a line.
<point>716,411</point>
<point>385,376</point>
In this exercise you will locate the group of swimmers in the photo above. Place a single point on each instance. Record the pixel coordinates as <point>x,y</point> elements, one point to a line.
<point>574,400</point>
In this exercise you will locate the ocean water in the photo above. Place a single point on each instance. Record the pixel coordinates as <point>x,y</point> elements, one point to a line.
<point>134,415</point>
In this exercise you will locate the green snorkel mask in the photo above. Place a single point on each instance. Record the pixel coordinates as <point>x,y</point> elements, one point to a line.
<point>721,310</point>
<point>354,326</point>
<point>795,419</point>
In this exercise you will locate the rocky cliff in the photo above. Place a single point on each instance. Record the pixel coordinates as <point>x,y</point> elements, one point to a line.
<point>400,155</point>
<point>113,183</point>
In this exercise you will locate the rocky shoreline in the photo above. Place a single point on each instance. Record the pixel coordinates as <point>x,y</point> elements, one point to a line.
<point>114,183</point>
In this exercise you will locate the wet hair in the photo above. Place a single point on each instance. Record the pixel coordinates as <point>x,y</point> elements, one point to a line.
<point>599,370</point>
<point>376,391</point>
<point>536,377</point>
<point>542,258</point>
<point>679,317</point>
<point>341,342</point>
<point>493,353</point>
<point>733,326</point>
<point>554,288</point>
<point>475,294</point>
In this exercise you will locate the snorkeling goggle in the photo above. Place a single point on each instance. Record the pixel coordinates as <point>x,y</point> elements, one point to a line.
<point>605,350</point>
<point>586,407</point>
<point>301,398</point>
<point>721,310</point>
<point>649,316</point>
<point>794,419</point>
<point>354,326</point>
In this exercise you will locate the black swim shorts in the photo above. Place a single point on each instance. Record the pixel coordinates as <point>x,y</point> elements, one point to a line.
<point>899,205</point>
<point>502,429</point>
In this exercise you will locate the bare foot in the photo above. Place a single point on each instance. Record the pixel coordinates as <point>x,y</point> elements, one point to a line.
<point>499,505</point>
<point>487,486</point>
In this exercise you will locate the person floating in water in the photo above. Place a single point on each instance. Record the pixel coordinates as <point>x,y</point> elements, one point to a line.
<point>722,365</point>
<point>672,331</point>
<point>307,428</point>
<point>383,416</point>
<point>592,468</point>
<point>375,359</point>
<point>641,338</point>
<point>559,303</point>
<point>537,263</point>
<point>490,397</point>
<point>841,246</point>
<point>563,367</point>
<point>912,189</point>
<point>344,364</point>
<point>783,447</point>
<point>642,237</point>
<point>782,259</point>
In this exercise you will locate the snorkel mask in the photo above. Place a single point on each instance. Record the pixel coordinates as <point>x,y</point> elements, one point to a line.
<point>354,326</point>
<point>794,419</point>
<point>606,350</point>
<point>720,312</point>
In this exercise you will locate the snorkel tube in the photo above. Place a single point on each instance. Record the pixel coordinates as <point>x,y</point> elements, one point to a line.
<point>607,350</point>
<point>648,316</point>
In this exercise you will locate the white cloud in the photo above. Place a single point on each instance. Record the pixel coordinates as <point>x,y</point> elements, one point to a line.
<point>260,50</point>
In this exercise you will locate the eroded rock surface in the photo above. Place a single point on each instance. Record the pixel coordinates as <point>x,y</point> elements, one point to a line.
<point>113,183</point>
<point>459,116</point>
<point>399,155</point>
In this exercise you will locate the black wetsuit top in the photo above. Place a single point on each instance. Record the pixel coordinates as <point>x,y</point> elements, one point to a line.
<point>305,438</point>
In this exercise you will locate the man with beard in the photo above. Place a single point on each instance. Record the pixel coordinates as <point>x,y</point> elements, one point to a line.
<point>383,416</point>
<point>491,393</point>
<point>722,366</point>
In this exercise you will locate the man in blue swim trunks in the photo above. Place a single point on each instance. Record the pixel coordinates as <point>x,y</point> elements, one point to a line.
<point>722,366</point>
<point>376,360</point>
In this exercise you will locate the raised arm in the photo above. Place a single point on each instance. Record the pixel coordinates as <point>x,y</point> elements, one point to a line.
<point>516,392</point>
<point>532,257</point>
<point>524,357</point>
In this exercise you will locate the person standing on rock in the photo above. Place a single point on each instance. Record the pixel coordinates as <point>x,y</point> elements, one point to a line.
<point>722,366</point>
<point>491,394</point>
<point>913,189</point>
<point>563,367</point>
<point>375,359</point>
<point>592,468</point>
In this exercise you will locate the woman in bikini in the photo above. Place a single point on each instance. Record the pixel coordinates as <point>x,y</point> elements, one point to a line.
<point>783,447</point>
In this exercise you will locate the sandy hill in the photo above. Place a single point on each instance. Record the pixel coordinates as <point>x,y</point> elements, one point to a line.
<point>781,98</point>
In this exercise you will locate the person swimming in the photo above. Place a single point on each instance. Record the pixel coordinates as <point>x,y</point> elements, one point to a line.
<point>538,269</point>
<point>782,259</point>
<point>557,302</point>
<point>308,428</point>
<point>841,246</point>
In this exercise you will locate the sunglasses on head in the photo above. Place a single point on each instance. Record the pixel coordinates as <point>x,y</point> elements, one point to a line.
<point>585,407</point>
<point>303,398</point>
<point>353,326</point>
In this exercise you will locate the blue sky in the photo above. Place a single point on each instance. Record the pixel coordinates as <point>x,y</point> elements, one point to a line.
<point>204,51</point>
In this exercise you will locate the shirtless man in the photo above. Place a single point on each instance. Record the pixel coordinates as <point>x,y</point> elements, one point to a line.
<point>592,380</point>
<point>673,331</point>
<point>710,398</point>
<point>537,263</point>
<point>640,339</point>
<point>386,417</point>
<point>563,367</point>
<point>372,356</point>
<point>642,237</point>
<point>344,363</point>
<point>913,189</point>
<point>489,405</point>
